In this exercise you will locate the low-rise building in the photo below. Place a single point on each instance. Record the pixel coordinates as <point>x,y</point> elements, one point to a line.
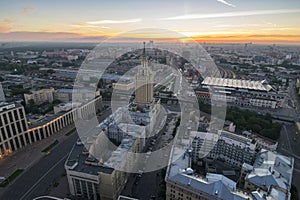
<point>233,149</point>
<point>262,142</point>
<point>39,96</point>
<point>240,92</point>
<point>271,170</point>
<point>125,85</point>
<point>66,95</point>
<point>51,124</point>
<point>65,107</point>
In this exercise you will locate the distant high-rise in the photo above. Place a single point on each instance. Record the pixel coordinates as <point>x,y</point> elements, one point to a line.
<point>144,84</point>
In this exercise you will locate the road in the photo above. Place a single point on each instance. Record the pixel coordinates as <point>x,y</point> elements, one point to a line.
<point>294,96</point>
<point>288,144</point>
<point>36,180</point>
<point>148,185</point>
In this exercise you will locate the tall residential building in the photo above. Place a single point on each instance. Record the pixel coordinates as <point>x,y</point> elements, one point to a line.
<point>144,83</point>
<point>13,127</point>
<point>40,96</point>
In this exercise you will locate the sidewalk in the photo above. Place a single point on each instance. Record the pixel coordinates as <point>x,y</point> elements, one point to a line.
<point>25,157</point>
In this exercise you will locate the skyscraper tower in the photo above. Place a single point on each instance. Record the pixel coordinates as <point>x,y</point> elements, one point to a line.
<point>144,84</point>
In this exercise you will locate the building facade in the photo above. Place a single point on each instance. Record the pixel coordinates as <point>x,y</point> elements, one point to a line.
<point>13,128</point>
<point>144,84</point>
<point>240,92</point>
<point>15,132</point>
<point>66,95</point>
<point>50,125</point>
<point>233,149</point>
<point>40,96</point>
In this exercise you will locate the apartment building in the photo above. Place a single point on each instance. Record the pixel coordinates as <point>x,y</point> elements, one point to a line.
<point>233,149</point>
<point>39,96</point>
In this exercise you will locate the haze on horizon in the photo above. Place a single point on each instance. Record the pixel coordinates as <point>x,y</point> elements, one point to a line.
<point>218,21</point>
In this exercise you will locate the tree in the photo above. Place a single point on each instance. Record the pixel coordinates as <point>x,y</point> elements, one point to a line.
<point>50,71</point>
<point>31,102</point>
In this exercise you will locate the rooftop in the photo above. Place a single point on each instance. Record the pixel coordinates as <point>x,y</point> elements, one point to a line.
<point>77,161</point>
<point>180,173</point>
<point>237,83</point>
<point>213,184</point>
<point>4,106</point>
<point>271,168</point>
<point>274,194</point>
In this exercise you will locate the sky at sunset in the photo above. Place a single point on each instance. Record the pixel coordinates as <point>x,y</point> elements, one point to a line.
<point>257,21</point>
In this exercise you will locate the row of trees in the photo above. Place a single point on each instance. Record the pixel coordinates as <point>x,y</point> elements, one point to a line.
<point>249,120</point>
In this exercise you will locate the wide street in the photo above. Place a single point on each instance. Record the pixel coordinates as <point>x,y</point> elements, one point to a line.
<point>288,144</point>
<point>35,181</point>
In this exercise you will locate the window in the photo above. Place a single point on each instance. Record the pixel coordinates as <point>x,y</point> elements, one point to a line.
<point>16,115</point>
<point>10,117</point>
<point>5,118</point>
<point>8,131</point>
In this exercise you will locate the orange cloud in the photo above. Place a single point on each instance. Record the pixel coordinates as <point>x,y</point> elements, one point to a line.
<point>209,38</point>
<point>5,25</point>
<point>243,38</point>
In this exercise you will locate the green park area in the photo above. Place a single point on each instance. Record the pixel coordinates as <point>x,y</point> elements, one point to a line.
<point>245,119</point>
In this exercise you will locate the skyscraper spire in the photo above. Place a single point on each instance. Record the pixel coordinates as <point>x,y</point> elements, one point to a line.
<point>144,57</point>
<point>144,50</point>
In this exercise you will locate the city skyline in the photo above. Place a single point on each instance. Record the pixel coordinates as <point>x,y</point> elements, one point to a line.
<point>212,21</point>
